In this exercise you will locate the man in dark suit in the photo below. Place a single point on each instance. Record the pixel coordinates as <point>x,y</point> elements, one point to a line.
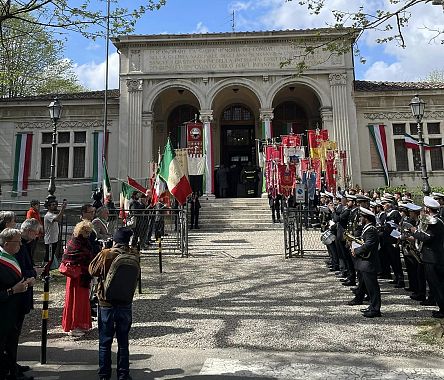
<point>431,234</point>
<point>367,261</point>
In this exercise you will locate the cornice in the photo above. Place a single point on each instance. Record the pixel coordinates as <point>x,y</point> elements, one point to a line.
<point>433,115</point>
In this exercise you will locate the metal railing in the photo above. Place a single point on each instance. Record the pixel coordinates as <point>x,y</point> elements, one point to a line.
<point>302,233</point>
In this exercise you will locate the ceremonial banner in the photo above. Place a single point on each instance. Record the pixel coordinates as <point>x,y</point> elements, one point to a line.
<point>378,134</point>
<point>330,174</point>
<point>194,138</point>
<point>324,147</point>
<point>293,154</point>
<point>136,185</point>
<point>196,165</point>
<point>273,152</point>
<point>286,179</point>
<point>291,140</point>
<point>182,158</point>
<point>316,166</point>
<point>314,139</point>
<point>22,165</point>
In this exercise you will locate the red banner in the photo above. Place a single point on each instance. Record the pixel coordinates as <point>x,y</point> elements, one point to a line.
<point>286,179</point>
<point>291,140</point>
<point>194,138</point>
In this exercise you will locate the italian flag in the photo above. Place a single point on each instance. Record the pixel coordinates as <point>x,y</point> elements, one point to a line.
<point>22,165</point>
<point>132,182</point>
<point>107,195</point>
<point>378,134</point>
<point>171,172</point>
<point>125,197</point>
<point>411,143</point>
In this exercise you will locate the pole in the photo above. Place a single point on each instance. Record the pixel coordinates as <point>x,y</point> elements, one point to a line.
<point>105,111</point>
<point>52,186</point>
<point>45,315</point>
<point>425,179</point>
<point>160,254</point>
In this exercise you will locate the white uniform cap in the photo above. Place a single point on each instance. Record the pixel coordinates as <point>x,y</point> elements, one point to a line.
<point>328,194</point>
<point>437,195</point>
<point>430,202</point>
<point>339,196</point>
<point>350,197</point>
<point>366,212</point>
<point>412,207</point>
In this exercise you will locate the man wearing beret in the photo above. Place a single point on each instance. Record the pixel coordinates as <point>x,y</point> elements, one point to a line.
<point>367,261</point>
<point>432,236</point>
<point>114,318</point>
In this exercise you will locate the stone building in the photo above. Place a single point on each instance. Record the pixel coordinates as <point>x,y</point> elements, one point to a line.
<point>235,85</point>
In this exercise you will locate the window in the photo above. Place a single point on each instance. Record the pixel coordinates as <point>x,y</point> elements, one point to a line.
<point>436,155</point>
<point>70,155</point>
<point>433,128</point>
<point>399,129</point>
<point>402,162</point>
<point>416,160</point>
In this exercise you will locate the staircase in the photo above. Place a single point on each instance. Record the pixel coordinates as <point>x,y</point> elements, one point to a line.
<point>242,214</point>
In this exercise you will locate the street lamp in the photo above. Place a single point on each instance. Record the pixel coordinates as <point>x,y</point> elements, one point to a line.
<point>55,112</point>
<point>417,106</point>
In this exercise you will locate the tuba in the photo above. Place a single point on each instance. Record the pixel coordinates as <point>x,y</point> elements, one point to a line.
<point>424,221</point>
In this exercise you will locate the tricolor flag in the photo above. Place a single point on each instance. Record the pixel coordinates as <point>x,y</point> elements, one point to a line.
<point>159,190</point>
<point>107,194</point>
<point>132,182</point>
<point>171,172</point>
<point>97,159</point>
<point>22,165</point>
<point>125,197</point>
<point>378,134</point>
<point>411,143</point>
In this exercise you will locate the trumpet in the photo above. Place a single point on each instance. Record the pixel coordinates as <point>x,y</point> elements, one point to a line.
<point>348,236</point>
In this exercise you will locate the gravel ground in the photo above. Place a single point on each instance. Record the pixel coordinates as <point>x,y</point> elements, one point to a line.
<point>237,291</point>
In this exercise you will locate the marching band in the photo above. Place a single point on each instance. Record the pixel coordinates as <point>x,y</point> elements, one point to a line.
<point>367,239</point>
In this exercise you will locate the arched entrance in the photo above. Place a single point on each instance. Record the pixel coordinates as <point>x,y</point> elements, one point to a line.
<point>237,145</point>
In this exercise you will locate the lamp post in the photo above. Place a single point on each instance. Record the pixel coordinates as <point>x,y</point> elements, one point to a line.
<point>55,112</point>
<point>417,106</point>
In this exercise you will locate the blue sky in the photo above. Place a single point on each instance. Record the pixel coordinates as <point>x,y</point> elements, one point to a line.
<point>384,62</point>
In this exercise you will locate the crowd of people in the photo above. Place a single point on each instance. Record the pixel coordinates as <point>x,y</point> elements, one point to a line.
<point>91,251</point>
<point>369,235</point>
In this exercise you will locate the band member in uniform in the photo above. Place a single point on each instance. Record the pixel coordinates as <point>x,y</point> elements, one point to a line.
<point>340,218</point>
<point>367,261</point>
<point>349,216</point>
<point>440,198</point>
<point>430,232</point>
<point>390,251</point>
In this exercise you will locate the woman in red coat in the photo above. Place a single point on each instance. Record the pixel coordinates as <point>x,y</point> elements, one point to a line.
<point>77,312</point>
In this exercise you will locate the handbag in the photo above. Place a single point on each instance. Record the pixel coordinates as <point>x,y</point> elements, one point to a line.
<point>69,270</point>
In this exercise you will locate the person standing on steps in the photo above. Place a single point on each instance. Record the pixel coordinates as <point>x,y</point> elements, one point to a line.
<point>194,208</point>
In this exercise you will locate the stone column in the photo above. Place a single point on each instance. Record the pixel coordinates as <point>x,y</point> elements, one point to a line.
<point>135,91</point>
<point>148,135</point>
<point>266,115</point>
<point>327,121</point>
<point>341,125</point>
<point>206,116</point>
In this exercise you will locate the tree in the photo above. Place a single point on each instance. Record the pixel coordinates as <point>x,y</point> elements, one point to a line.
<point>389,22</point>
<point>31,61</point>
<point>82,16</point>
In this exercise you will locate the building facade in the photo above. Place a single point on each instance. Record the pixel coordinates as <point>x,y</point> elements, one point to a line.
<point>234,84</point>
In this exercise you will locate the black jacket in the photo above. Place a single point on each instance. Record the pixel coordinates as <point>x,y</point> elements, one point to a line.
<point>367,259</point>
<point>432,251</point>
<point>27,266</point>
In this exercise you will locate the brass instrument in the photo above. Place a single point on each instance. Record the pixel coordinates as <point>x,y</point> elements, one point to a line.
<point>408,247</point>
<point>424,221</point>
<point>350,238</point>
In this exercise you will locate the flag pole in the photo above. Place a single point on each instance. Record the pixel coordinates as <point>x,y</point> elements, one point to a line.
<point>105,117</point>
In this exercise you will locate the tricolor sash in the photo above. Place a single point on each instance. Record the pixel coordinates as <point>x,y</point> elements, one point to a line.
<point>10,261</point>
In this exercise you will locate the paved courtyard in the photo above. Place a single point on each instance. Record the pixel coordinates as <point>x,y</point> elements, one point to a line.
<point>236,308</point>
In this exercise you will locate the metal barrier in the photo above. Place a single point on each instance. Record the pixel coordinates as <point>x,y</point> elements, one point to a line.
<point>149,225</point>
<point>302,232</point>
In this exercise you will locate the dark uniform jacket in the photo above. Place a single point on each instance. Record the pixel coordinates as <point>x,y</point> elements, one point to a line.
<point>341,217</point>
<point>27,266</point>
<point>367,259</point>
<point>432,251</point>
<point>8,303</point>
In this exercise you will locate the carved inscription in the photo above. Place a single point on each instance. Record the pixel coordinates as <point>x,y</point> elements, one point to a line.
<point>221,57</point>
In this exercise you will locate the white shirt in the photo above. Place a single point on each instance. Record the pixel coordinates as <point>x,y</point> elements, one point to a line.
<point>51,228</point>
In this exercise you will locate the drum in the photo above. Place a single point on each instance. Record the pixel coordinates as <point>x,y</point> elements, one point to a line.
<point>328,237</point>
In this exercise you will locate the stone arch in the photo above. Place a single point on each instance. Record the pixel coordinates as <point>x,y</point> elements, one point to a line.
<point>322,95</point>
<point>241,82</point>
<point>155,91</point>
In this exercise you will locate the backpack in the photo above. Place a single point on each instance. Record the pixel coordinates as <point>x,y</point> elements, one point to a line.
<point>121,280</point>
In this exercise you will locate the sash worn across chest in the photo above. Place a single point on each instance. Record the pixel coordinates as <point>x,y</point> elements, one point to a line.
<point>10,261</point>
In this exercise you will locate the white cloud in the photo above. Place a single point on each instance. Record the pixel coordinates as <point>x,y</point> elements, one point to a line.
<point>92,74</point>
<point>201,28</point>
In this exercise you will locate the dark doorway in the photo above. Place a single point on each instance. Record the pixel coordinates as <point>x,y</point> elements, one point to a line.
<point>238,148</point>
<point>176,124</point>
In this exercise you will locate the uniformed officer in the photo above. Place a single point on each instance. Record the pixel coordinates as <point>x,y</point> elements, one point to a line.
<point>440,198</point>
<point>367,261</point>
<point>431,233</point>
